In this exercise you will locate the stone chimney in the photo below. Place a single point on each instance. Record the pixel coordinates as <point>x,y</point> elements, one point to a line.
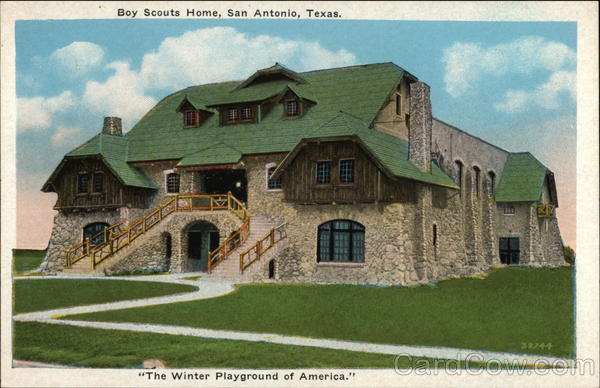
<point>112,126</point>
<point>419,137</point>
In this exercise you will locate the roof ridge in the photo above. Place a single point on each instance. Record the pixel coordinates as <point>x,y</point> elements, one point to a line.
<point>533,157</point>
<point>350,67</point>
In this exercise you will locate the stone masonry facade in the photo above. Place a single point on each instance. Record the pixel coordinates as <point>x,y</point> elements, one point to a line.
<point>446,233</point>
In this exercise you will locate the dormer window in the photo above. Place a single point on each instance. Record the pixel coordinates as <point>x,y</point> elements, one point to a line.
<point>239,114</point>
<point>191,118</point>
<point>292,108</point>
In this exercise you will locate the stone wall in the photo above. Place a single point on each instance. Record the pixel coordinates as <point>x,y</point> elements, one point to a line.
<point>68,231</point>
<point>148,252</point>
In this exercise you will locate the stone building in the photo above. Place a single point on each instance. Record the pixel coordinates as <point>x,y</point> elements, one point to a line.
<point>335,176</point>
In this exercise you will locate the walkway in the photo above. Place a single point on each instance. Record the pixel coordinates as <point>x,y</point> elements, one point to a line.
<point>210,288</point>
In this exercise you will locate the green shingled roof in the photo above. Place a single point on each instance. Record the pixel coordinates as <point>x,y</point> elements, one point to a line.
<point>347,100</point>
<point>522,179</point>
<point>113,150</point>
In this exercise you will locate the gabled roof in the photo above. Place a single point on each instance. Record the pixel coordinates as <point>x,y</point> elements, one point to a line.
<point>113,151</point>
<point>523,179</point>
<point>388,152</point>
<point>361,90</point>
<point>277,68</point>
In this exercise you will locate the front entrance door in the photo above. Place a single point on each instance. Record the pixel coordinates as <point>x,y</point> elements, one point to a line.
<point>223,181</point>
<point>509,250</point>
<point>203,237</point>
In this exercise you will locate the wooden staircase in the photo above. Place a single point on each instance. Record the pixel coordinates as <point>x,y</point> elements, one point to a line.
<point>85,257</point>
<point>264,234</point>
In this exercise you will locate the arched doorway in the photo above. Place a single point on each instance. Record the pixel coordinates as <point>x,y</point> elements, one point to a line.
<point>203,237</point>
<point>93,231</point>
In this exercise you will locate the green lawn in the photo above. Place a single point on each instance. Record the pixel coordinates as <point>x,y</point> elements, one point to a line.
<point>46,294</point>
<point>121,349</point>
<point>25,260</point>
<point>507,311</point>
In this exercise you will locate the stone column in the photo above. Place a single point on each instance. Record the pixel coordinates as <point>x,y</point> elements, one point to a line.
<point>419,137</point>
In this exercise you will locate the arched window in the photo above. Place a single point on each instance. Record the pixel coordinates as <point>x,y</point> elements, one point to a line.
<point>492,178</point>
<point>173,183</point>
<point>272,184</point>
<point>477,173</point>
<point>94,231</point>
<point>341,241</point>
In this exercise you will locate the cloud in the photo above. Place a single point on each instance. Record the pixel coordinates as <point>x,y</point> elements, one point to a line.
<point>36,113</point>
<point>545,95</point>
<point>467,63</point>
<point>78,58</point>
<point>223,53</point>
<point>65,136</point>
<point>121,95</point>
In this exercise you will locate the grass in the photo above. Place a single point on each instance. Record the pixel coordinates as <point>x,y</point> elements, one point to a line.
<point>46,294</point>
<point>512,310</point>
<point>122,349</point>
<point>193,278</point>
<point>25,260</point>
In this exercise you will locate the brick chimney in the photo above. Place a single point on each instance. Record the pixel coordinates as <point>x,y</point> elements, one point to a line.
<point>112,126</point>
<point>419,137</point>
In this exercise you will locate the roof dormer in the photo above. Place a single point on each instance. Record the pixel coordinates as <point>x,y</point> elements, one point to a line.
<point>194,113</point>
<point>276,72</point>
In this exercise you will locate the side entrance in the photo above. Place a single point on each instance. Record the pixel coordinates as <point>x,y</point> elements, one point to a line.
<point>202,237</point>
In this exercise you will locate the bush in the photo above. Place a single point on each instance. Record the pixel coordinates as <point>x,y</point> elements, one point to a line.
<point>569,255</point>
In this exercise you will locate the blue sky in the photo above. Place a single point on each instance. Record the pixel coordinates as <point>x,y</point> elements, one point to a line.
<point>512,84</point>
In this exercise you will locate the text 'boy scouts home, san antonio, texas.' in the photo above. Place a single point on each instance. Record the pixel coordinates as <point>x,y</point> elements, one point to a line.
<point>337,176</point>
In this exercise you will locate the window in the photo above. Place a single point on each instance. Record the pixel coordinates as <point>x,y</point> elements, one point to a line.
<point>272,184</point>
<point>232,114</point>
<point>346,171</point>
<point>459,173</point>
<point>434,235</point>
<point>173,183</point>
<point>246,113</point>
<point>94,231</point>
<point>191,118</point>
<point>98,182</point>
<point>83,183</point>
<point>398,105</point>
<point>476,172</point>
<point>509,250</point>
<point>492,179</point>
<point>509,209</point>
<point>324,172</point>
<point>341,241</point>
<point>239,114</point>
<point>292,108</point>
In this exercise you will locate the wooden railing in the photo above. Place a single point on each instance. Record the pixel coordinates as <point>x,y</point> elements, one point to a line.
<point>254,252</point>
<point>116,239</point>
<point>81,250</point>
<point>544,209</point>
<point>229,245</point>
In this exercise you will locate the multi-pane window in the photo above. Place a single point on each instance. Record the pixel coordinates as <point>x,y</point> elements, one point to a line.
<point>98,182</point>
<point>173,183</point>
<point>190,118</point>
<point>509,250</point>
<point>83,183</point>
<point>232,114</point>
<point>346,171</point>
<point>509,209</point>
<point>341,241</point>
<point>273,184</point>
<point>246,113</point>
<point>239,114</point>
<point>291,108</point>
<point>323,172</point>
